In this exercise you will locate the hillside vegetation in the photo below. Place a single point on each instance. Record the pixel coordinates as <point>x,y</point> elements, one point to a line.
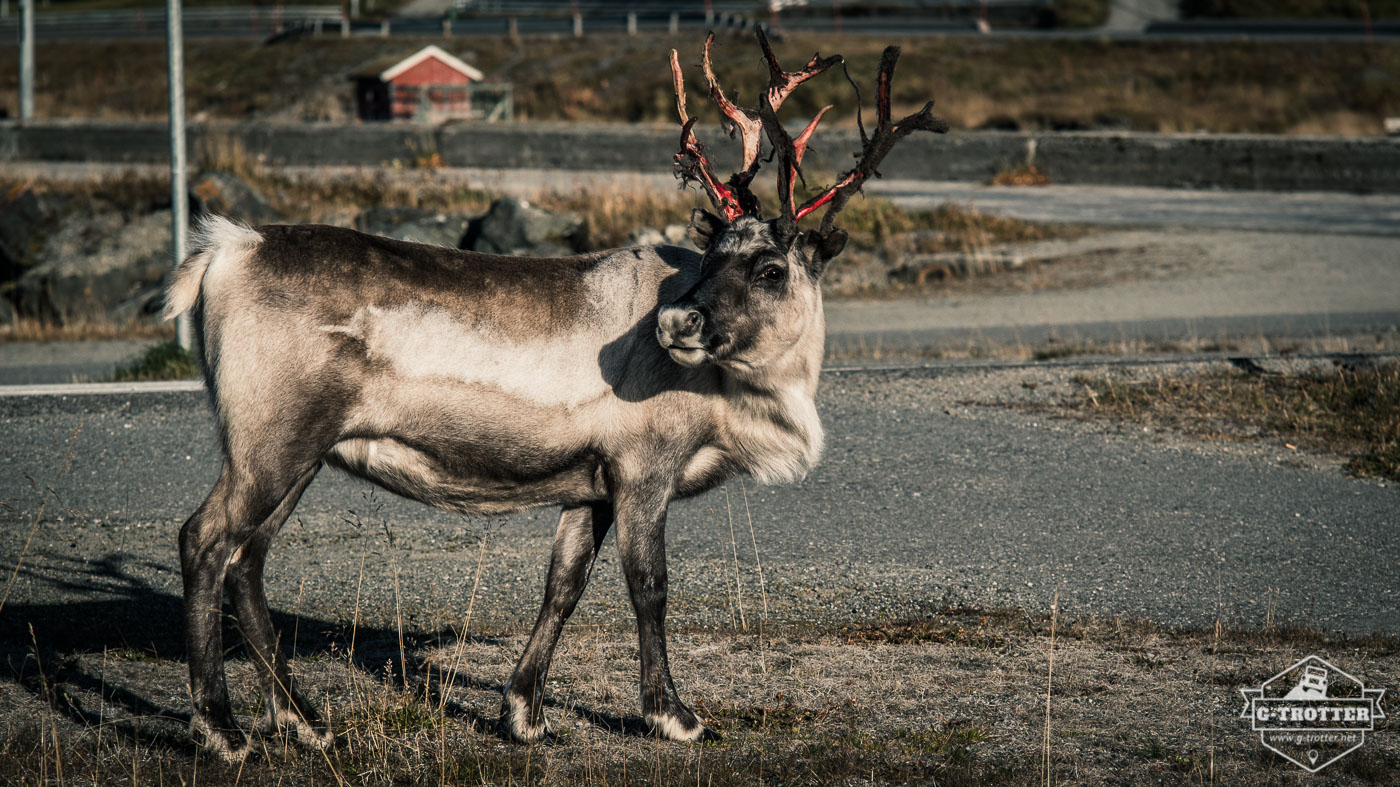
<point>978,83</point>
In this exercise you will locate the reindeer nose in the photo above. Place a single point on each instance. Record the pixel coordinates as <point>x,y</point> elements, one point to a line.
<point>680,324</point>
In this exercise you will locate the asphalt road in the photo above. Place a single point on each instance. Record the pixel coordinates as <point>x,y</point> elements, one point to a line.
<point>1273,211</point>
<point>922,502</point>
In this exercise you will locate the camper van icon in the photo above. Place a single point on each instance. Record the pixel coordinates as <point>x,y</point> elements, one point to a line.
<point>1312,686</point>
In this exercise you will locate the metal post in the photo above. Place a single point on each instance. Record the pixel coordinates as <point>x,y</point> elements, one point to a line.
<point>179,198</point>
<point>26,61</point>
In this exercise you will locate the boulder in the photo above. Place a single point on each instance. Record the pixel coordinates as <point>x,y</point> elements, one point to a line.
<point>26,219</point>
<point>514,226</point>
<point>93,262</point>
<point>679,235</point>
<point>418,226</point>
<point>228,195</point>
<point>646,236</point>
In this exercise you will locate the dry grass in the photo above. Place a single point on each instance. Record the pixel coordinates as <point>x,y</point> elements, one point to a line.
<point>1027,84</point>
<point>982,348</point>
<point>883,236</point>
<point>1024,175</point>
<point>965,705</point>
<point>27,329</point>
<point>1350,412</point>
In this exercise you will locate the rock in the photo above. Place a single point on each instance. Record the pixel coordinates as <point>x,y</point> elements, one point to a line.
<point>418,226</point>
<point>673,235</point>
<point>144,305</point>
<point>93,262</point>
<point>679,235</point>
<point>229,195</point>
<point>25,220</point>
<point>646,236</point>
<point>514,226</point>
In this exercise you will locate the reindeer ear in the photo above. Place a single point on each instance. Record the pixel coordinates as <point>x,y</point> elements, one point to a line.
<point>820,248</point>
<point>704,228</point>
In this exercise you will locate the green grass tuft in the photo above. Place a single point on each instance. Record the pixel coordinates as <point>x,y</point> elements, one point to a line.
<point>164,361</point>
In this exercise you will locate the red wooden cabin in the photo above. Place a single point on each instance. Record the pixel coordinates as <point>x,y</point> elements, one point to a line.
<point>428,85</point>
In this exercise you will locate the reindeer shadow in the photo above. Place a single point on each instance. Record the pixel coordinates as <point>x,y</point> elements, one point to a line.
<point>126,613</point>
<point>637,352</point>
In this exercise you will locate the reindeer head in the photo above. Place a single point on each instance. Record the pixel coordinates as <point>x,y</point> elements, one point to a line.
<point>759,294</point>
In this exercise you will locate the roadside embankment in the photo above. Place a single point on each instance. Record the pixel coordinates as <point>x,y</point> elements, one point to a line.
<point>1228,161</point>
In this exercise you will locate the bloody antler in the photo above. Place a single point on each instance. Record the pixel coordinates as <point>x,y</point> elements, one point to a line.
<point>734,197</point>
<point>873,148</point>
<point>691,161</point>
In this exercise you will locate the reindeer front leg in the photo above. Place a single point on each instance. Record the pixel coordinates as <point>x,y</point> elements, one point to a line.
<point>641,538</point>
<point>576,542</point>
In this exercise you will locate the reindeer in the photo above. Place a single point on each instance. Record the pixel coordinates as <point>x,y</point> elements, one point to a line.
<point>608,384</point>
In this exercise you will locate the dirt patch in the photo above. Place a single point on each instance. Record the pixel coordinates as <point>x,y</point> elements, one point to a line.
<point>1348,408</point>
<point>959,698</point>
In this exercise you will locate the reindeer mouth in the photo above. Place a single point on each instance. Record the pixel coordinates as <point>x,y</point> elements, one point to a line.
<point>689,356</point>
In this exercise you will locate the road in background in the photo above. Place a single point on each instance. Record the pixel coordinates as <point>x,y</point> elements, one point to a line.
<point>924,500</point>
<point>1310,265</point>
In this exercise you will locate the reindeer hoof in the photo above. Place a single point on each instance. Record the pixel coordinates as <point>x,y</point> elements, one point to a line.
<point>306,726</point>
<point>516,722</point>
<point>225,741</point>
<point>678,728</point>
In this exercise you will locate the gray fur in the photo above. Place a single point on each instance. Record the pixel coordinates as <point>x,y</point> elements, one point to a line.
<point>608,384</point>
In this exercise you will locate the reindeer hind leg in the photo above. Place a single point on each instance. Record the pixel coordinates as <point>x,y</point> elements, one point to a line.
<point>285,707</point>
<point>230,517</point>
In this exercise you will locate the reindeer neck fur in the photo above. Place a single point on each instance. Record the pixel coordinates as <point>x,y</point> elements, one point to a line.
<point>770,425</point>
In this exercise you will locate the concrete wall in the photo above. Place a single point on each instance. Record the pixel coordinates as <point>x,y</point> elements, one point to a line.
<point>1242,161</point>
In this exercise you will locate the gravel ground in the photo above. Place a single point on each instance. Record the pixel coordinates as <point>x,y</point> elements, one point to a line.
<point>959,700</point>
<point>930,507</point>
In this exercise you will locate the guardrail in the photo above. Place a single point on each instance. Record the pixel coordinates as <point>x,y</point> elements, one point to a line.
<point>198,22</point>
<point>565,7</point>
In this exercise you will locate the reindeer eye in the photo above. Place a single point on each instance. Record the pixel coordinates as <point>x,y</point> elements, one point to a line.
<point>772,273</point>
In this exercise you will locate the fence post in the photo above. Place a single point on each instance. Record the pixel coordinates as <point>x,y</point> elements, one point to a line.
<point>675,26</point>
<point>631,23</point>
<point>26,61</point>
<point>578,25</point>
<point>512,28</point>
<point>344,26</point>
<point>384,29</point>
<point>179,196</point>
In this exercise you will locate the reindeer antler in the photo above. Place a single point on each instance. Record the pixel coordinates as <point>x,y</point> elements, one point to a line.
<point>873,148</point>
<point>734,197</point>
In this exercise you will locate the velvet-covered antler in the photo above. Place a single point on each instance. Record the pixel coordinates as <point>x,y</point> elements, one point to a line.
<point>734,197</point>
<point>874,147</point>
